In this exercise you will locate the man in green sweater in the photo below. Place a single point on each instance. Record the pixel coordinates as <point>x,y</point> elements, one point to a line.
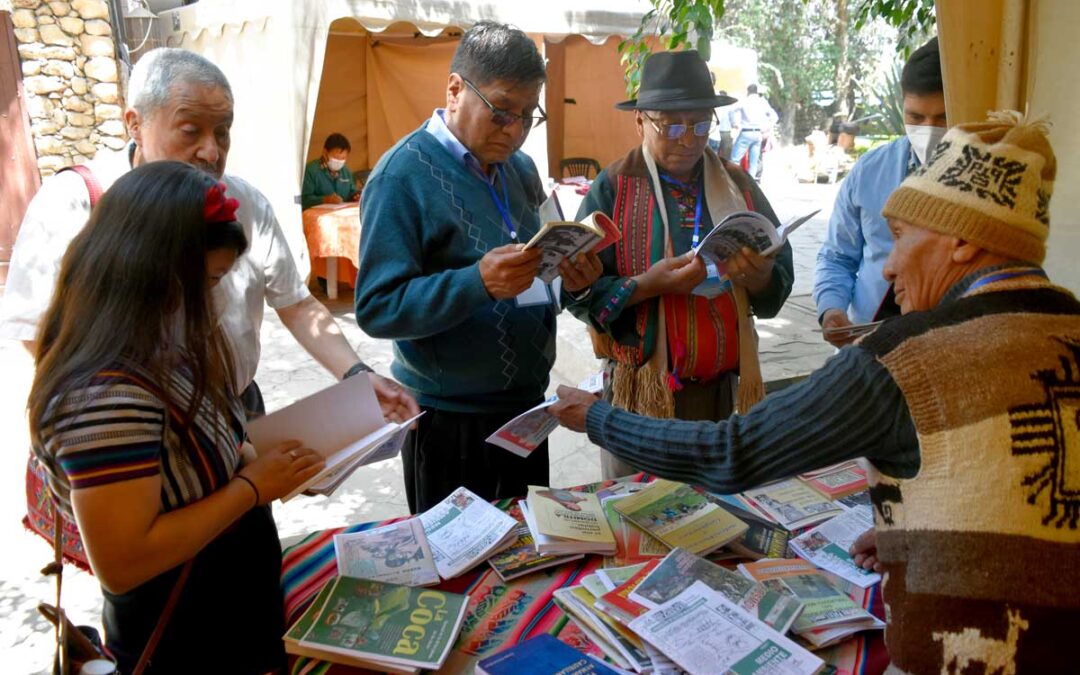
<point>443,273</point>
<point>327,180</point>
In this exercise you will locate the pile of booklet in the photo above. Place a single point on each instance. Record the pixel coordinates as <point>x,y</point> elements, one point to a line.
<point>450,538</point>
<point>659,604</point>
<point>564,521</point>
<point>387,627</point>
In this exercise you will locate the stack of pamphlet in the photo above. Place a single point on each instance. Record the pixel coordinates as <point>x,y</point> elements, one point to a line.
<point>616,640</point>
<point>837,481</point>
<point>386,627</point>
<point>681,568</point>
<point>763,537</point>
<point>633,545</point>
<point>541,655</point>
<point>792,503</point>
<point>705,633</point>
<point>678,515</point>
<point>521,557</point>
<point>829,614</point>
<point>563,521</point>
<point>827,545</point>
<point>464,530</point>
<point>453,536</point>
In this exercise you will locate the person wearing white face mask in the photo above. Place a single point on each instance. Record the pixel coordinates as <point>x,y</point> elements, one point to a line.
<point>848,282</point>
<point>327,180</point>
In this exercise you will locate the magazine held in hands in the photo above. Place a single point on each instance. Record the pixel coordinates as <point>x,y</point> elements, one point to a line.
<point>740,229</point>
<point>559,238</point>
<point>343,423</point>
<point>524,434</point>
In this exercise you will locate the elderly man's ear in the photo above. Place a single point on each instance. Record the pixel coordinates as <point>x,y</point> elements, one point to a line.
<point>964,252</point>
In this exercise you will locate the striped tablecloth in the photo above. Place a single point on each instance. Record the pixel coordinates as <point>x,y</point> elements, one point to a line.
<point>501,614</point>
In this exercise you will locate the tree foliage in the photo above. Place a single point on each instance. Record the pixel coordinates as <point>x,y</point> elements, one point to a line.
<point>914,20</point>
<point>677,24</point>
<point>817,58</point>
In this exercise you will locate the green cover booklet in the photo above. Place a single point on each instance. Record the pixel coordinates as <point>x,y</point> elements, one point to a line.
<point>385,624</point>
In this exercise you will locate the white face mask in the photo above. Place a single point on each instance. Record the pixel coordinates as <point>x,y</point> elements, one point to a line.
<point>924,139</point>
<point>335,164</point>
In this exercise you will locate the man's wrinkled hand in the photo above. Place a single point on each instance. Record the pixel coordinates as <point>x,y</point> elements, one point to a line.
<point>750,269</point>
<point>864,551</point>
<point>508,271</point>
<point>834,319</point>
<point>675,276</point>
<point>397,405</point>
<point>332,198</point>
<point>580,273</point>
<point>572,407</point>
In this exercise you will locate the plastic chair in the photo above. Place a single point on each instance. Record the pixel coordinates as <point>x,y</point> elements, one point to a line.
<point>579,166</point>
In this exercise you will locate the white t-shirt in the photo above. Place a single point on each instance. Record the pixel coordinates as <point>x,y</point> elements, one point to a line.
<point>266,273</point>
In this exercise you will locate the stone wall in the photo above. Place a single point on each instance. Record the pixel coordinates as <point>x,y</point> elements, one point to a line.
<point>71,79</point>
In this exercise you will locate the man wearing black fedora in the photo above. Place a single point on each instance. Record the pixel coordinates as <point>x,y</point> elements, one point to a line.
<point>670,353</point>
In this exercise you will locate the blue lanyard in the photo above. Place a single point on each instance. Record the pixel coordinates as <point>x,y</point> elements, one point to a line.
<point>504,204</point>
<point>697,208</point>
<point>1007,274</point>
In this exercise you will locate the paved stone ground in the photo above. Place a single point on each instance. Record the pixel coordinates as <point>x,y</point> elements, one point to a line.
<point>789,346</point>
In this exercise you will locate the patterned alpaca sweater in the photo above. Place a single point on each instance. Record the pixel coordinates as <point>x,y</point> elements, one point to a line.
<point>982,547</point>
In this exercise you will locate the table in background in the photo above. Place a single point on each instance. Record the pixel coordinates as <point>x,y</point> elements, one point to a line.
<point>332,232</point>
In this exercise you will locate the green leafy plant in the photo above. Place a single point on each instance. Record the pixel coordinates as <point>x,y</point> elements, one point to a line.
<point>914,20</point>
<point>890,98</point>
<point>677,24</point>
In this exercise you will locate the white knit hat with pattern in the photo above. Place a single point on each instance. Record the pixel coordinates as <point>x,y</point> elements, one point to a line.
<point>988,183</point>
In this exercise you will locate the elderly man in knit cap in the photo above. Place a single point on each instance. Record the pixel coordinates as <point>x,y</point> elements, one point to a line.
<point>671,353</point>
<point>966,406</point>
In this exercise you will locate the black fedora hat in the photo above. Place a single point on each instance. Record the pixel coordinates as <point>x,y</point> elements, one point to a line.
<point>675,81</point>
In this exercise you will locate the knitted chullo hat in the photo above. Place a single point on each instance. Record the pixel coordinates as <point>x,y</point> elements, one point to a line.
<point>988,183</point>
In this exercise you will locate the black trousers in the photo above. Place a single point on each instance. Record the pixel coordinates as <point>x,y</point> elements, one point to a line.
<point>447,450</point>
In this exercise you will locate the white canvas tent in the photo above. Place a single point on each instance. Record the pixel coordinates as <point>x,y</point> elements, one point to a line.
<point>374,70</point>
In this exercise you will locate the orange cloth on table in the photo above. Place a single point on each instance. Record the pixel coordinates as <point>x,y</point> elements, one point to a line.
<point>334,233</point>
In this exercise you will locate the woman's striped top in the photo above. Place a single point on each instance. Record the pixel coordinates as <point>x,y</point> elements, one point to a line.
<point>116,428</point>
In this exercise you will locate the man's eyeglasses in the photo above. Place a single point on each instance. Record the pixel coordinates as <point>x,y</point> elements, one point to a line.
<point>674,132</point>
<point>505,118</point>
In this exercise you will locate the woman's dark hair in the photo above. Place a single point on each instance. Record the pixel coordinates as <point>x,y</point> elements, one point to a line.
<point>337,141</point>
<point>492,51</point>
<point>133,278</point>
<point>922,72</point>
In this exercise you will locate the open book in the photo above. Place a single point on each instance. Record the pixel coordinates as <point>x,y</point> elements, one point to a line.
<point>343,423</point>
<point>750,229</point>
<point>560,238</point>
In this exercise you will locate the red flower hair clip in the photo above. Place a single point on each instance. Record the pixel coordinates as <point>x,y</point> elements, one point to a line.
<point>218,208</point>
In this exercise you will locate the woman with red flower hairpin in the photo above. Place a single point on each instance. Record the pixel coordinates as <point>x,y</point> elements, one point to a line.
<point>134,414</point>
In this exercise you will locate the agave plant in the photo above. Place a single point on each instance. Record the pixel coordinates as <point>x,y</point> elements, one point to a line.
<point>890,104</point>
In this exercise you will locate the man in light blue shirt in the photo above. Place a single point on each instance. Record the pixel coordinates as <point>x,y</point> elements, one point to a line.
<point>755,118</point>
<point>848,283</point>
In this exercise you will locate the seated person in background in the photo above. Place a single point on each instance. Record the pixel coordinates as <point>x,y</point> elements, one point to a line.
<point>958,404</point>
<point>327,180</point>
<point>135,415</point>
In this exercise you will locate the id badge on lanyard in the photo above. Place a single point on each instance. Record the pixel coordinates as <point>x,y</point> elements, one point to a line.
<point>539,293</point>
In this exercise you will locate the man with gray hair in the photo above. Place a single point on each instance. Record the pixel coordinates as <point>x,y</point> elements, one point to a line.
<point>181,108</point>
